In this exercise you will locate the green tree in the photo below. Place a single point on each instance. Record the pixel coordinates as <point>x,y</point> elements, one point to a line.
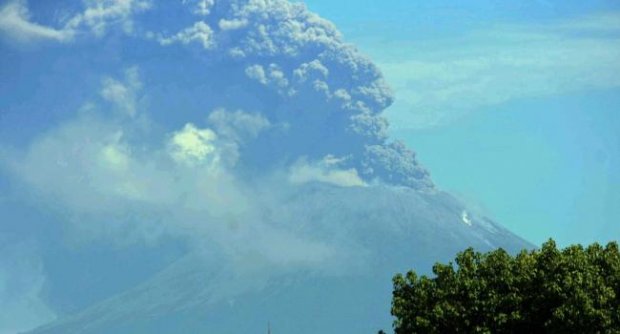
<point>574,290</point>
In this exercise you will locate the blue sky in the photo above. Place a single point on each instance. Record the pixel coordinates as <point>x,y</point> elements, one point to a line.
<point>145,130</point>
<point>513,106</point>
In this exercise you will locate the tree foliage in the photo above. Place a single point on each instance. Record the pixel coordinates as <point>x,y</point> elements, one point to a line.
<point>574,290</point>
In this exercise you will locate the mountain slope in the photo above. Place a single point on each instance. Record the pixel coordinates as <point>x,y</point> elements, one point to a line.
<point>389,229</point>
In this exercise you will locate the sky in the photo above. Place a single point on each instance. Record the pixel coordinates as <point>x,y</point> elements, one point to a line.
<point>138,131</point>
<point>511,106</point>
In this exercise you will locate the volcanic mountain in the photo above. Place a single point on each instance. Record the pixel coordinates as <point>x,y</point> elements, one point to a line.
<point>209,166</point>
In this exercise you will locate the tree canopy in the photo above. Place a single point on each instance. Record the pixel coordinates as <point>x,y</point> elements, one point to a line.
<point>574,290</point>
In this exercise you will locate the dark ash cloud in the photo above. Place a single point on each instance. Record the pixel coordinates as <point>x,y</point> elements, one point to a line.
<point>294,68</point>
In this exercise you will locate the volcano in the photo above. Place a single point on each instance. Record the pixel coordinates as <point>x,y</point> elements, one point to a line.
<point>395,230</point>
<point>207,166</point>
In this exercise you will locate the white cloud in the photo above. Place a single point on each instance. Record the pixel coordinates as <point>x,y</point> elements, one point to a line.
<point>272,76</point>
<point>123,95</point>
<point>124,193</point>
<point>99,15</point>
<point>325,171</point>
<point>15,22</point>
<point>115,156</point>
<point>232,24</point>
<point>257,72</point>
<point>200,7</point>
<point>89,168</point>
<point>194,146</point>
<point>97,18</point>
<point>200,33</point>
<point>234,131</point>
<point>465,218</point>
<point>129,191</point>
<point>445,79</point>
<point>238,126</point>
<point>84,154</point>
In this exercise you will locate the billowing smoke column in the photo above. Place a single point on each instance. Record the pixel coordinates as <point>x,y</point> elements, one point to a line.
<point>200,125</point>
<point>297,72</point>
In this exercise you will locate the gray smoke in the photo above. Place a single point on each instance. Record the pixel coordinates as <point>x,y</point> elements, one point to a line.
<point>202,133</point>
<point>294,68</point>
